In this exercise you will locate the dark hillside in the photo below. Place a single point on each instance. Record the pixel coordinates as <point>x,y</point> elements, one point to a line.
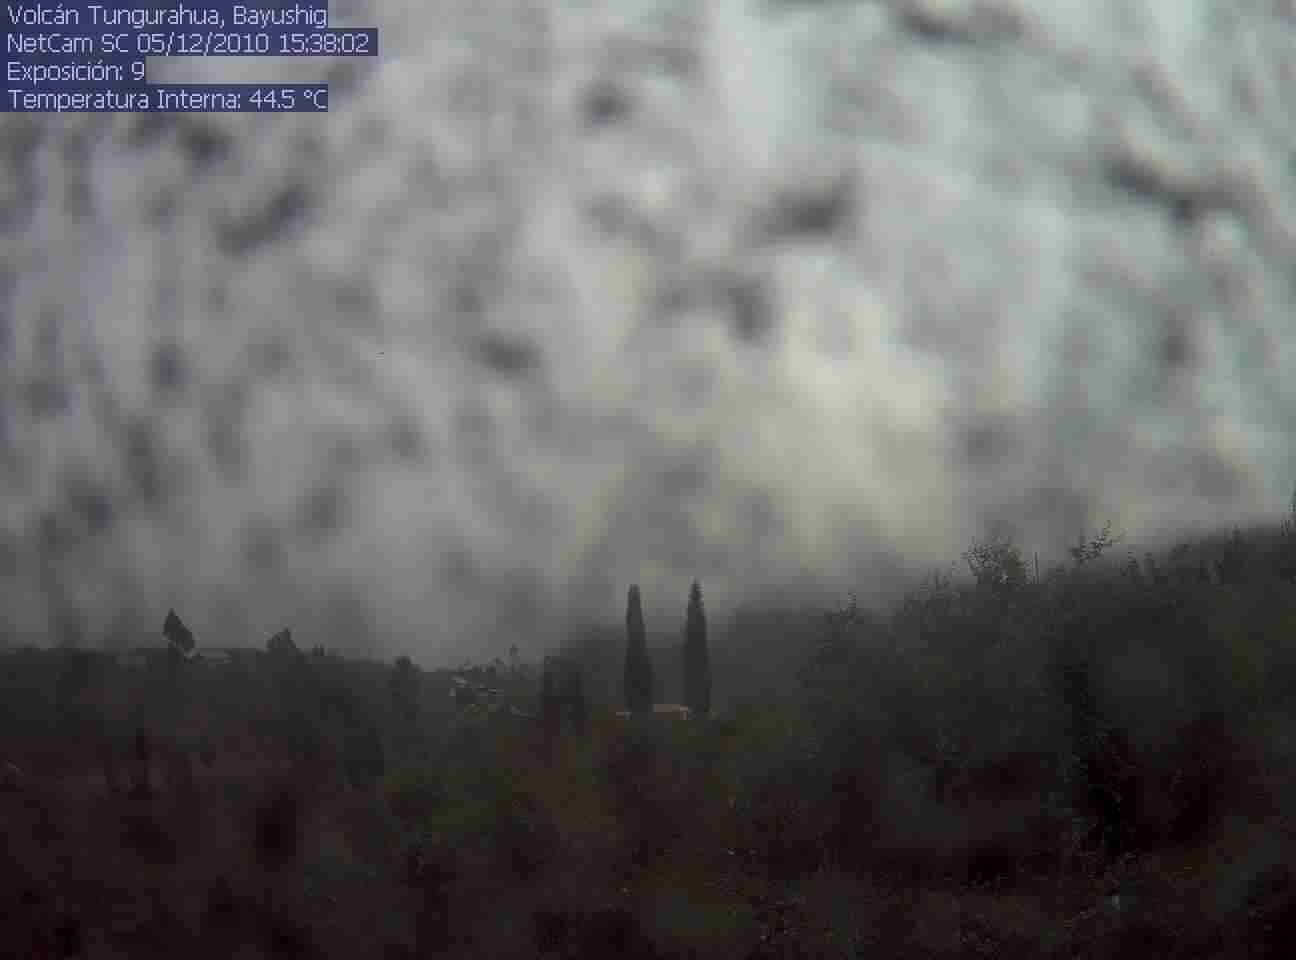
<point>1099,762</point>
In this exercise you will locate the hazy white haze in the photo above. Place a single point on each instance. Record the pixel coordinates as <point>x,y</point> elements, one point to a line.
<point>564,296</point>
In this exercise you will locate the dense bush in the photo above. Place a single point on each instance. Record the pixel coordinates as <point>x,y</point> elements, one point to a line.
<point>645,790</point>
<point>468,801</point>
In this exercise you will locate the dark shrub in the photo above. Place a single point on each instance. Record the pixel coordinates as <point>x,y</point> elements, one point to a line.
<point>525,840</point>
<point>276,824</point>
<point>223,910</point>
<point>364,756</point>
<point>1208,769</point>
<point>638,772</point>
<point>612,932</point>
<point>551,927</point>
<point>1113,782</point>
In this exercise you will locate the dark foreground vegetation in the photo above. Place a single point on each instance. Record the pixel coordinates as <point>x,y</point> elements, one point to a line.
<point>1095,764</point>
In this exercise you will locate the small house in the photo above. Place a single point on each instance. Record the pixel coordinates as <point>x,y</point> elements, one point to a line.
<point>672,710</point>
<point>676,710</point>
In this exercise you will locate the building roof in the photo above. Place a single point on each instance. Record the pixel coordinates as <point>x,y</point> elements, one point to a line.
<point>662,709</point>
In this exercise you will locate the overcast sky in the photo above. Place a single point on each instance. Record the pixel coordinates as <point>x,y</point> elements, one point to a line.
<point>560,297</point>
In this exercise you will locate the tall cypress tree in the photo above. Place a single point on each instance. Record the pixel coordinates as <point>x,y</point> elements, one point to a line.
<point>697,658</point>
<point>638,668</point>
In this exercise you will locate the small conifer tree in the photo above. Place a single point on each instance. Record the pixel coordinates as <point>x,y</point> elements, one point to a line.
<point>281,646</point>
<point>180,645</point>
<point>638,668</point>
<point>178,636</point>
<point>697,658</point>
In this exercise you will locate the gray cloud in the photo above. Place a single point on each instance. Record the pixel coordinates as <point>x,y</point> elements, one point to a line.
<point>555,300</point>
